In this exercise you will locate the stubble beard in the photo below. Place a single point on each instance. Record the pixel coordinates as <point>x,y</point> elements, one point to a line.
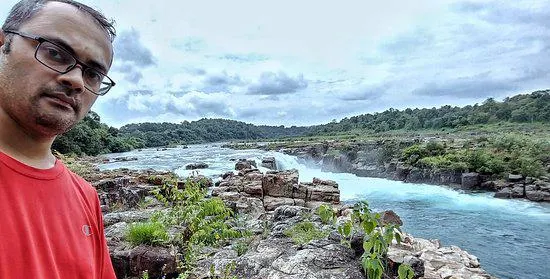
<point>52,122</point>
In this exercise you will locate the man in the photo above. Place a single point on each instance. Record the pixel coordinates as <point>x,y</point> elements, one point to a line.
<point>54,55</point>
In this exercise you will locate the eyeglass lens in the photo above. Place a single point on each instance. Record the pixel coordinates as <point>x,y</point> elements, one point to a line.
<point>62,61</point>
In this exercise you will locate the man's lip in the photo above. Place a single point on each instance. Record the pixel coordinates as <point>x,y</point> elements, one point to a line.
<point>62,97</point>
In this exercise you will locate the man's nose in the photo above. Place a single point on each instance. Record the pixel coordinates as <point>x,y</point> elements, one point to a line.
<point>73,79</point>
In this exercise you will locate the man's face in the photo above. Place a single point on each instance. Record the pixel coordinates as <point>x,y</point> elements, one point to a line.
<point>40,100</point>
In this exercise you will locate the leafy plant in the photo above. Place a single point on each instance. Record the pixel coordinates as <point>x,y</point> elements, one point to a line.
<point>151,233</point>
<point>405,272</point>
<point>326,213</point>
<point>304,232</point>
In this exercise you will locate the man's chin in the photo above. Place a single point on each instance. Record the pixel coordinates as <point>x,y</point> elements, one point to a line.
<point>53,126</point>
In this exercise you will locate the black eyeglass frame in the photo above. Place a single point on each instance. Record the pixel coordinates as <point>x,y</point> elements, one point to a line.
<point>109,83</point>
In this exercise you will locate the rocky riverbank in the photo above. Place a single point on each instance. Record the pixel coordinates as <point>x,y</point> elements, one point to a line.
<point>268,205</point>
<point>373,159</point>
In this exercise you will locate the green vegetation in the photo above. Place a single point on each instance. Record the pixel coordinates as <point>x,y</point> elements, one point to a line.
<point>200,221</point>
<point>150,233</point>
<point>376,241</point>
<point>523,108</point>
<point>326,213</point>
<point>495,155</point>
<point>526,113</point>
<point>304,232</point>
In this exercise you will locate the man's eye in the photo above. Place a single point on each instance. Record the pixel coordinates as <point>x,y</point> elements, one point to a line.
<point>93,77</point>
<point>57,55</point>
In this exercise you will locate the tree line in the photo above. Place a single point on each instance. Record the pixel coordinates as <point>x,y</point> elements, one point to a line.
<point>523,108</point>
<point>91,137</point>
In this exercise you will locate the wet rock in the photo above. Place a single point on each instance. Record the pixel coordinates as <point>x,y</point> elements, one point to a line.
<point>470,180</point>
<point>269,162</point>
<point>132,262</point>
<point>505,193</point>
<point>389,217</point>
<point>195,166</point>
<point>515,177</point>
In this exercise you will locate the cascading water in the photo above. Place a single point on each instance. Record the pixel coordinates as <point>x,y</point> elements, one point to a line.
<point>510,237</point>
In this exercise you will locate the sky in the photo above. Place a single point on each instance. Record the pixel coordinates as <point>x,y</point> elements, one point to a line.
<point>309,62</point>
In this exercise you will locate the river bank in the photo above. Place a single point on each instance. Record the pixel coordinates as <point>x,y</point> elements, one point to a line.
<point>498,231</point>
<point>386,159</point>
<point>269,204</point>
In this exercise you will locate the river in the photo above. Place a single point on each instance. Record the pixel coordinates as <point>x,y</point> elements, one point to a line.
<point>511,238</point>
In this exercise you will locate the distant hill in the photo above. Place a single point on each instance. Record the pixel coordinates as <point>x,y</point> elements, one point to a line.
<point>534,107</point>
<point>92,137</point>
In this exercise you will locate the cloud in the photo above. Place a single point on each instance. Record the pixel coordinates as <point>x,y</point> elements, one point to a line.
<point>128,48</point>
<point>482,85</point>
<point>271,83</point>
<point>362,92</point>
<point>190,104</point>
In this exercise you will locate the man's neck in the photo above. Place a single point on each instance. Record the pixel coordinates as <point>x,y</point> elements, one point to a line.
<point>29,149</point>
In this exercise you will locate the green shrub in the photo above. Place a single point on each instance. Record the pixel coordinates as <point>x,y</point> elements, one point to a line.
<point>150,233</point>
<point>304,232</point>
<point>326,213</point>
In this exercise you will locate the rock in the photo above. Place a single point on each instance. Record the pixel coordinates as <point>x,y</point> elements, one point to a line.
<point>488,186</point>
<point>128,216</point>
<point>243,164</point>
<point>195,166</point>
<point>201,180</point>
<point>518,191</point>
<point>515,177</point>
<point>124,159</point>
<point>269,162</point>
<point>157,261</point>
<point>401,172</point>
<point>271,203</point>
<point>116,232</point>
<point>322,191</point>
<point>537,196</point>
<point>280,184</point>
<point>470,180</point>
<point>287,211</point>
<point>505,193</point>
<point>389,217</point>
<point>111,184</point>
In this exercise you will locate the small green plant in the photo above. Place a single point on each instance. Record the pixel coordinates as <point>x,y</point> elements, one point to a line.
<point>376,241</point>
<point>304,232</point>
<point>405,272</point>
<point>151,233</point>
<point>145,275</point>
<point>326,213</point>
<point>227,270</point>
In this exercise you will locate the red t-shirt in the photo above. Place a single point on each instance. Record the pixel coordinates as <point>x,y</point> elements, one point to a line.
<point>51,225</point>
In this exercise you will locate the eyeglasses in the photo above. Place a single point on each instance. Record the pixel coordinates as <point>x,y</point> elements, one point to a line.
<point>62,61</point>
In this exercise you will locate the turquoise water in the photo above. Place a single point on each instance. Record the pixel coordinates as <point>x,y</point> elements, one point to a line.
<point>511,238</point>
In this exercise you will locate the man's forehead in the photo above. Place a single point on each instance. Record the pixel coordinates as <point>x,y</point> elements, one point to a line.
<point>76,28</point>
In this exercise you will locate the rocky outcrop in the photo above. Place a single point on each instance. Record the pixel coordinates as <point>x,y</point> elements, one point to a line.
<point>437,262</point>
<point>518,187</point>
<point>272,203</point>
<point>195,166</point>
<point>245,164</point>
<point>269,162</point>
<point>250,188</point>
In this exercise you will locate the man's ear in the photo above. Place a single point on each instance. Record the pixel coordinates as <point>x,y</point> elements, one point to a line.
<point>2,37</point>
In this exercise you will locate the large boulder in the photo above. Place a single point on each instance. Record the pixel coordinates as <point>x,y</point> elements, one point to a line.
<point>281,183</point>
<point>470,180</point>
<point>195,166</point>
<point>322,191</point>
<point>269,162</point>
<point>244,164</point>
<point>159,262</point>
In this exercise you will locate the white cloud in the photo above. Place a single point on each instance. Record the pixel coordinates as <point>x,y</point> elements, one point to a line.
<point>313,61</point>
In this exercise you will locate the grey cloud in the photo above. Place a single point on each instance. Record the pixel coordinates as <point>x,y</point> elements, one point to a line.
<point>141,92</point>
<point>222,79</point>
<point>220,82</point>
<point>500,13</point>
<point>481,85</point>
<point>271,83</point>
<point>131,73</point>
<point>128,48</point>
<point>364,94</point>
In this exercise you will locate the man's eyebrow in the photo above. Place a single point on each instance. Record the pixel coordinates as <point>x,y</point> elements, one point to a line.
<point>91,63</point>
